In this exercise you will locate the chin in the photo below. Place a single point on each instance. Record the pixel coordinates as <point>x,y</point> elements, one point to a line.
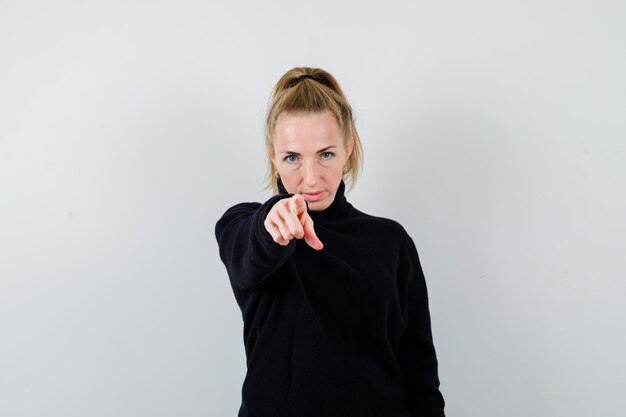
<point>318,205</point>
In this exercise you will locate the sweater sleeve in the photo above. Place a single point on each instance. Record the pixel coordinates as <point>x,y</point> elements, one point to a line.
<point>416,353</point>
<point>246,247</point>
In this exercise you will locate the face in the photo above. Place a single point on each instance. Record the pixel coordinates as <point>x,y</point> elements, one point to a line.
<point>309,154</point>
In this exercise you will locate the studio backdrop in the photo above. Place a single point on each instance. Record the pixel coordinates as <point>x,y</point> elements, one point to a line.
<point>494,132</point>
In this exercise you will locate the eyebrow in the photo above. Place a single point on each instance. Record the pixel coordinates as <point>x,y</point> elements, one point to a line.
<point>321,150</point>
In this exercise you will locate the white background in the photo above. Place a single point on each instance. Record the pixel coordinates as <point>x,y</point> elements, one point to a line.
<point>494,132</point>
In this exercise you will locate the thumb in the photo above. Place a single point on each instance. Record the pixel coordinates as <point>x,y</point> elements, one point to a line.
<point>310,237</point>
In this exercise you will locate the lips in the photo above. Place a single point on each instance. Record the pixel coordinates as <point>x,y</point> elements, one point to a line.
<point>313,196</point>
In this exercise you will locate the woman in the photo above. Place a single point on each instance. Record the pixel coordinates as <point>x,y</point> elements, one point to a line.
<point>334,301</point>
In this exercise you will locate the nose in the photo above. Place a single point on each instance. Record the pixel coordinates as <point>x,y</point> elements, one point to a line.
<point>310,174</point>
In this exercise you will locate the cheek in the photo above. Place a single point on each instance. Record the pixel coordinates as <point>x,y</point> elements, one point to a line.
<point>289,179</point>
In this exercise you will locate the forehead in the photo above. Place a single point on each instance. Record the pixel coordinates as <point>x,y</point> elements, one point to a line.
<point>300,131</point>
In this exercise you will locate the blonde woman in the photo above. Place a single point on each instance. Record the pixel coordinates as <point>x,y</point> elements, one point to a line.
<point>334,300</point>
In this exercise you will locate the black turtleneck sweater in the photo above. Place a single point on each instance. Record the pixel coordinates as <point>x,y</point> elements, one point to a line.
<point>340,332</point>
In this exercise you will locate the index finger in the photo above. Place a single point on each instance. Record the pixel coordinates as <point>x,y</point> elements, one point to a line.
<point>309,233</point>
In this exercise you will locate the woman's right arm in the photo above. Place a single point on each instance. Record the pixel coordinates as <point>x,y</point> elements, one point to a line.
<point>256,239</point>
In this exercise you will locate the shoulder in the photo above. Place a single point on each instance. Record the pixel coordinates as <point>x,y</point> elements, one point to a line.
<point>389,236</point>
<point>386,226</point>
<point>234,214</point>
<point>253,206</point>
<point>240,209</point>
<point>249,208</point>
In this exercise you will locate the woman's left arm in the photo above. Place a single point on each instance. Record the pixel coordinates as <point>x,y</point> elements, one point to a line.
<point>416,353</point>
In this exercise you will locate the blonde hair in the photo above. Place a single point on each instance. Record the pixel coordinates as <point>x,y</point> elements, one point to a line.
<point>318,91</point>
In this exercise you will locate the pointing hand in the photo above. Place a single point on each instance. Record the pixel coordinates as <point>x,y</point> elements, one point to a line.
<point>289,218</point>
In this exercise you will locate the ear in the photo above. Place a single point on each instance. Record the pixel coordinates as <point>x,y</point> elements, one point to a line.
<point>349,147</point>
<point>271,155</point>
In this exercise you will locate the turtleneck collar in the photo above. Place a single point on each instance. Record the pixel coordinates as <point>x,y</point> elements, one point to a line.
<point>339,207</point>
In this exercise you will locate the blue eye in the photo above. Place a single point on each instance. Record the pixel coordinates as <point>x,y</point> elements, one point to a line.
<point>328,153</point>
<point>290,161</point>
